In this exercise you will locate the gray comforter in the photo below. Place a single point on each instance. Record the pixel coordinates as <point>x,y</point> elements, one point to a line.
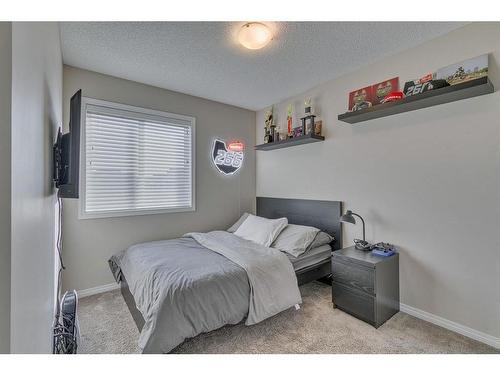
<point>201,282</point>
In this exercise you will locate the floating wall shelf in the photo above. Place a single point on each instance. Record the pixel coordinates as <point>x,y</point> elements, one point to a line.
<point>480,86</point>
<point>303,139</point>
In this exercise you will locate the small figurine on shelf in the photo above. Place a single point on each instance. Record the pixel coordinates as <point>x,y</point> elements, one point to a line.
<point>308,119</point>
<point>273,133</point>
<point>308,109</point>
<point>318,125</point>
<point>267,136</point>
<point>297,132</point>
<point>269,122</point>
<point>289,120</point>
<point>282,134</point>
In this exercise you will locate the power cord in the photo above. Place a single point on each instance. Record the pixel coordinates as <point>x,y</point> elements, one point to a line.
<point>59,252</point>
<point>65,328</point>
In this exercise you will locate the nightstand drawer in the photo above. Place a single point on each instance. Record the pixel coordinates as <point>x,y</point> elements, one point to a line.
<point>354,302</point>
<point>353,275</point>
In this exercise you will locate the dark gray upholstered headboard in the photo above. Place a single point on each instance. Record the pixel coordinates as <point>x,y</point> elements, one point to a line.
<point>323,215</point>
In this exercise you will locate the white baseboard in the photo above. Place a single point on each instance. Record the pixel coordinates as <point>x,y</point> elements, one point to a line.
<point>452,326</point>
<point>96,290</point>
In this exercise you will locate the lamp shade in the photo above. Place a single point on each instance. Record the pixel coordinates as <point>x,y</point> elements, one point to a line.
<point>348,218</point>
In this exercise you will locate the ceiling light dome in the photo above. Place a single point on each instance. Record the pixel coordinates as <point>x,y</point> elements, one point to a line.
<point>254,35</point>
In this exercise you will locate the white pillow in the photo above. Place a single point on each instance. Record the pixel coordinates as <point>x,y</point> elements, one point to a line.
<point>295,239</point>
<point>261,230</point>
<point>240,221</point>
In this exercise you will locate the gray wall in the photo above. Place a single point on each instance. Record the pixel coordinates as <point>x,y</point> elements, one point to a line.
<point>36,114</point>
<point>89,243</point>
<point>427,181</point>
<point>5,104</point>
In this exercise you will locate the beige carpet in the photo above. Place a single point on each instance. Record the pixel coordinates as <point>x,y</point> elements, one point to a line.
<point>107,327</point>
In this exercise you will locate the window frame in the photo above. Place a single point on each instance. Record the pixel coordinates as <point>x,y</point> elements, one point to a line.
<point>82,214</point>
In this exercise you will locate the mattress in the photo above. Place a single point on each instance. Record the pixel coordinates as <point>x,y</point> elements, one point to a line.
<point>311,257</point>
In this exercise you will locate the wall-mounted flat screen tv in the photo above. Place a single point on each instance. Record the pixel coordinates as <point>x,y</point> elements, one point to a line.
<point>66,152</point>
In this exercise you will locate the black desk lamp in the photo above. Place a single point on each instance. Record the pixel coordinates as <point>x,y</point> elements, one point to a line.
<point>348,217</point>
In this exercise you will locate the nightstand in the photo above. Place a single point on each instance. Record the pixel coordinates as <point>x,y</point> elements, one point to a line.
<point>365,285</point>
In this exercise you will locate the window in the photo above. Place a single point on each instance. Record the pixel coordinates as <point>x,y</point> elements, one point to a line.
<point>135,161</point>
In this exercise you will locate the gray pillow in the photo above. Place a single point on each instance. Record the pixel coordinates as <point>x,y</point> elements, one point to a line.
<point>240,221</point>
<point>295,239</point>
<point>322,238</point>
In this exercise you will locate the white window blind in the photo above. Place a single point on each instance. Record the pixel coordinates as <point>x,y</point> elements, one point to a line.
<point>137,161</point>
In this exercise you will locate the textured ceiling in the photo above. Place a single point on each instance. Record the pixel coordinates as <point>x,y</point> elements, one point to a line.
<point>204,58</point>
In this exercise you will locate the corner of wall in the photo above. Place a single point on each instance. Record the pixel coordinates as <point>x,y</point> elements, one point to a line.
<point>32,298</point>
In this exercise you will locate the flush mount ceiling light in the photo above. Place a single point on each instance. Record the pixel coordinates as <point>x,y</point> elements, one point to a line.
<point>254,35</point>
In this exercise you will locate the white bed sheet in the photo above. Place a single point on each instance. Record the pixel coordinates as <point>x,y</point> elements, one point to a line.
<point>310,257</point>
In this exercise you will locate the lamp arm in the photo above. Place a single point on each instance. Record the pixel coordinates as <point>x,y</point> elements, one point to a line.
<point>354,214</point>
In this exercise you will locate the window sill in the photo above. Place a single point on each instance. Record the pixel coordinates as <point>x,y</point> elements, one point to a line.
<point>124,213</point>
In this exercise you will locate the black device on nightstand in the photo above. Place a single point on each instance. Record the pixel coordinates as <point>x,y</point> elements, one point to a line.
<point>365,285</point>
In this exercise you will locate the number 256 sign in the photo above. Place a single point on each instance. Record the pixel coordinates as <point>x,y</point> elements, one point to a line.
<point>227,159</point>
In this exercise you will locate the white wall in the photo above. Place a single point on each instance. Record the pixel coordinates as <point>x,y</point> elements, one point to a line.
<point>427,181</point>
<point>5,103</point>
<point>88,244</point>
<point>36,114</point>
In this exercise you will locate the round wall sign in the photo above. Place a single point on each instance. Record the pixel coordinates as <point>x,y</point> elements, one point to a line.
<point>227,159</point>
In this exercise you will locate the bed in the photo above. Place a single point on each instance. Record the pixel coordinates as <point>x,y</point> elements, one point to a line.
<point>217,275</point>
